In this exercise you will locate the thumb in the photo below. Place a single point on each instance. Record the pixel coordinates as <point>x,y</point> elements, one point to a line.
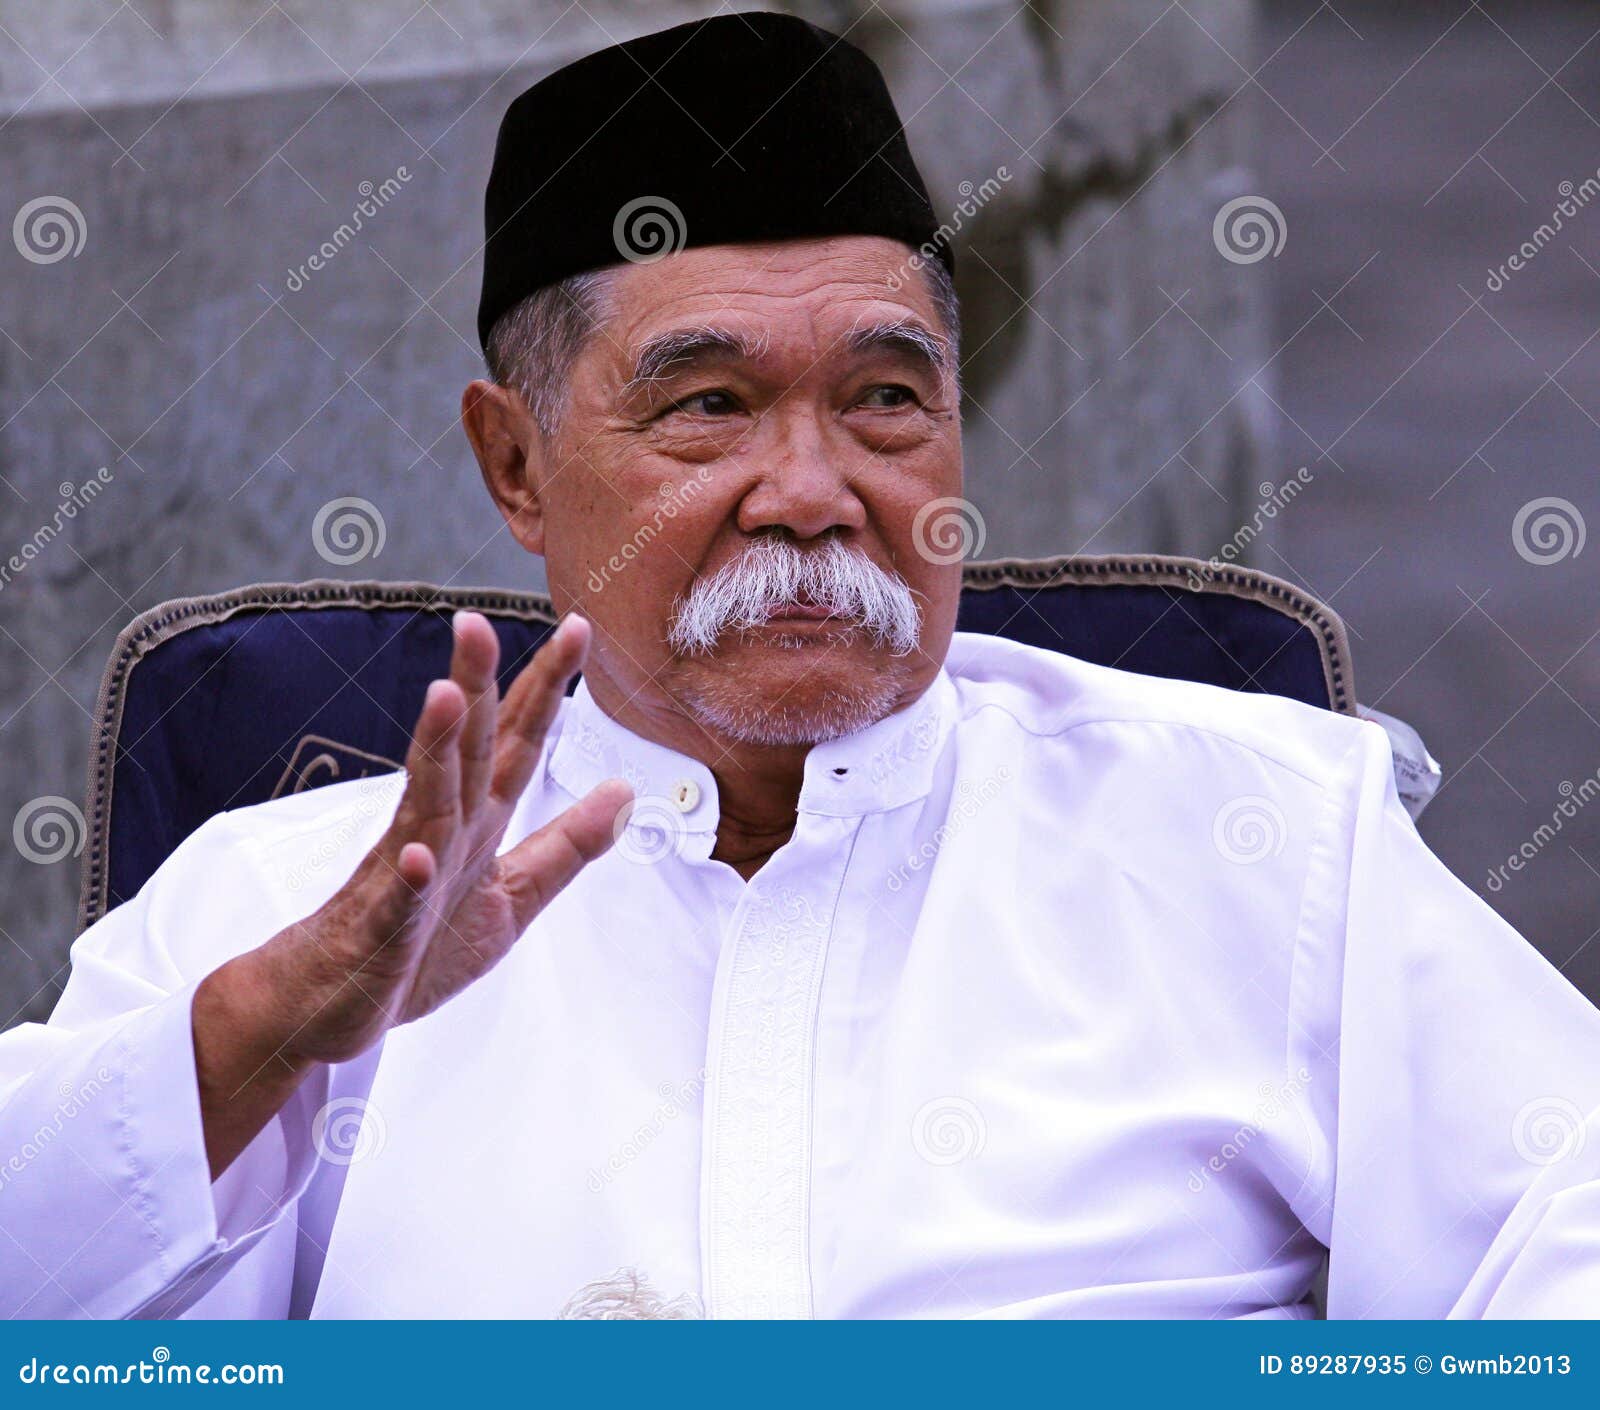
<point>537,868</point>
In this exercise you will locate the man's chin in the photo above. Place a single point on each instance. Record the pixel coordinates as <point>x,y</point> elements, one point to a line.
<point>791,682</point>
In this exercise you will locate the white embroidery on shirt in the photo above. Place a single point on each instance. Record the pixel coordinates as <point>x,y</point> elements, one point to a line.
<point>759,1218</point>
<point>586,738</point>
<point>915,740</point>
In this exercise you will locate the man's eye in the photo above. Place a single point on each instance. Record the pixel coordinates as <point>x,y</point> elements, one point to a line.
<point>707,404</point>
<point>888,396</point>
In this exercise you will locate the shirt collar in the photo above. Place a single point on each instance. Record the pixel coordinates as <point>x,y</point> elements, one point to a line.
<point>888,763</point>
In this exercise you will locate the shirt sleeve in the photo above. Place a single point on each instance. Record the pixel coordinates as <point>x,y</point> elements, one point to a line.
<point>107,1208</point>
<point>1466,1177</point>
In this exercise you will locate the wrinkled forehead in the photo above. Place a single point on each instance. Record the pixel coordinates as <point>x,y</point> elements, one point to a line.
<point>815,289</point>
<point>768,301</point>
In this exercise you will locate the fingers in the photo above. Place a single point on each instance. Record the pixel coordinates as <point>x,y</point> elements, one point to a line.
<point>538,867</point>
<point>531,704</point>
<point>388,908</point>
<point>474,657</point>
<point>467,747</point>
<point>416,867</point>
<point>429,809</point>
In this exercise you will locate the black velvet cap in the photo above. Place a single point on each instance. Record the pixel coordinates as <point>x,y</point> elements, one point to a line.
<point>736,128</point>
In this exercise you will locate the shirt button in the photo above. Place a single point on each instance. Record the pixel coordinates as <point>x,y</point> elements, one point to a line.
<point>686,793</point>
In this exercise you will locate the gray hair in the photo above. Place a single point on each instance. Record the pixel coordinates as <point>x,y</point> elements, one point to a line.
<point>533,345</point>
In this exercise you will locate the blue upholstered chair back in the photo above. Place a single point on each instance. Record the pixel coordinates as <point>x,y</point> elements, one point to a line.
<point>217,702</point>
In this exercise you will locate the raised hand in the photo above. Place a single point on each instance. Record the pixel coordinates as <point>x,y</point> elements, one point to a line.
<point>428,910</point>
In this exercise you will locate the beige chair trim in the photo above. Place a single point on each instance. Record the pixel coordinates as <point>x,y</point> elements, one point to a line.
<point>1170,571</point>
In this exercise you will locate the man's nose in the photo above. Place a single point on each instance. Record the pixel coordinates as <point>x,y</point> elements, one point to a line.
<point>802,482</point>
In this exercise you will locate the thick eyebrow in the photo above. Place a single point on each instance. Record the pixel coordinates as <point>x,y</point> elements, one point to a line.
<point>905,337</point>
<point>683,348</point>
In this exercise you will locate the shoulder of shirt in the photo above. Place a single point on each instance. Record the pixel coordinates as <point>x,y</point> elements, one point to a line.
<point>1050,694</point>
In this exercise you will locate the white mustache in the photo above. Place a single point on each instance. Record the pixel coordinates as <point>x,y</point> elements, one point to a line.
<point>772,574</point>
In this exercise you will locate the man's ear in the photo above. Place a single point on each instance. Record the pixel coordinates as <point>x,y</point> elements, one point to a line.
<point>508,446</point>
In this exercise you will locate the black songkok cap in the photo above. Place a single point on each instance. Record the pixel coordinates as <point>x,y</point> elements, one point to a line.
<point>741,127</point>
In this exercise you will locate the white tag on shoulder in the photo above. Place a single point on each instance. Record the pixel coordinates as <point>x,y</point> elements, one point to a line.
<point>1416,772</point>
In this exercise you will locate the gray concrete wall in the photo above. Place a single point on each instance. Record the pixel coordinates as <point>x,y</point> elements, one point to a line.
<point>1416,150</point>
<point>211,148</point>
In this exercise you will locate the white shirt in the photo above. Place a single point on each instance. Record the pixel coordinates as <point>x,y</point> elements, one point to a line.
<point>1075,993</point>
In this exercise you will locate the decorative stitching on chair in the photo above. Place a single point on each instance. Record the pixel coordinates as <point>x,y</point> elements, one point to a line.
<point>297,771</point>
<point>166,620</point>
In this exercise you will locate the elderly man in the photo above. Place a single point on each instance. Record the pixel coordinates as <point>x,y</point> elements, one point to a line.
<point>928,975</point>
